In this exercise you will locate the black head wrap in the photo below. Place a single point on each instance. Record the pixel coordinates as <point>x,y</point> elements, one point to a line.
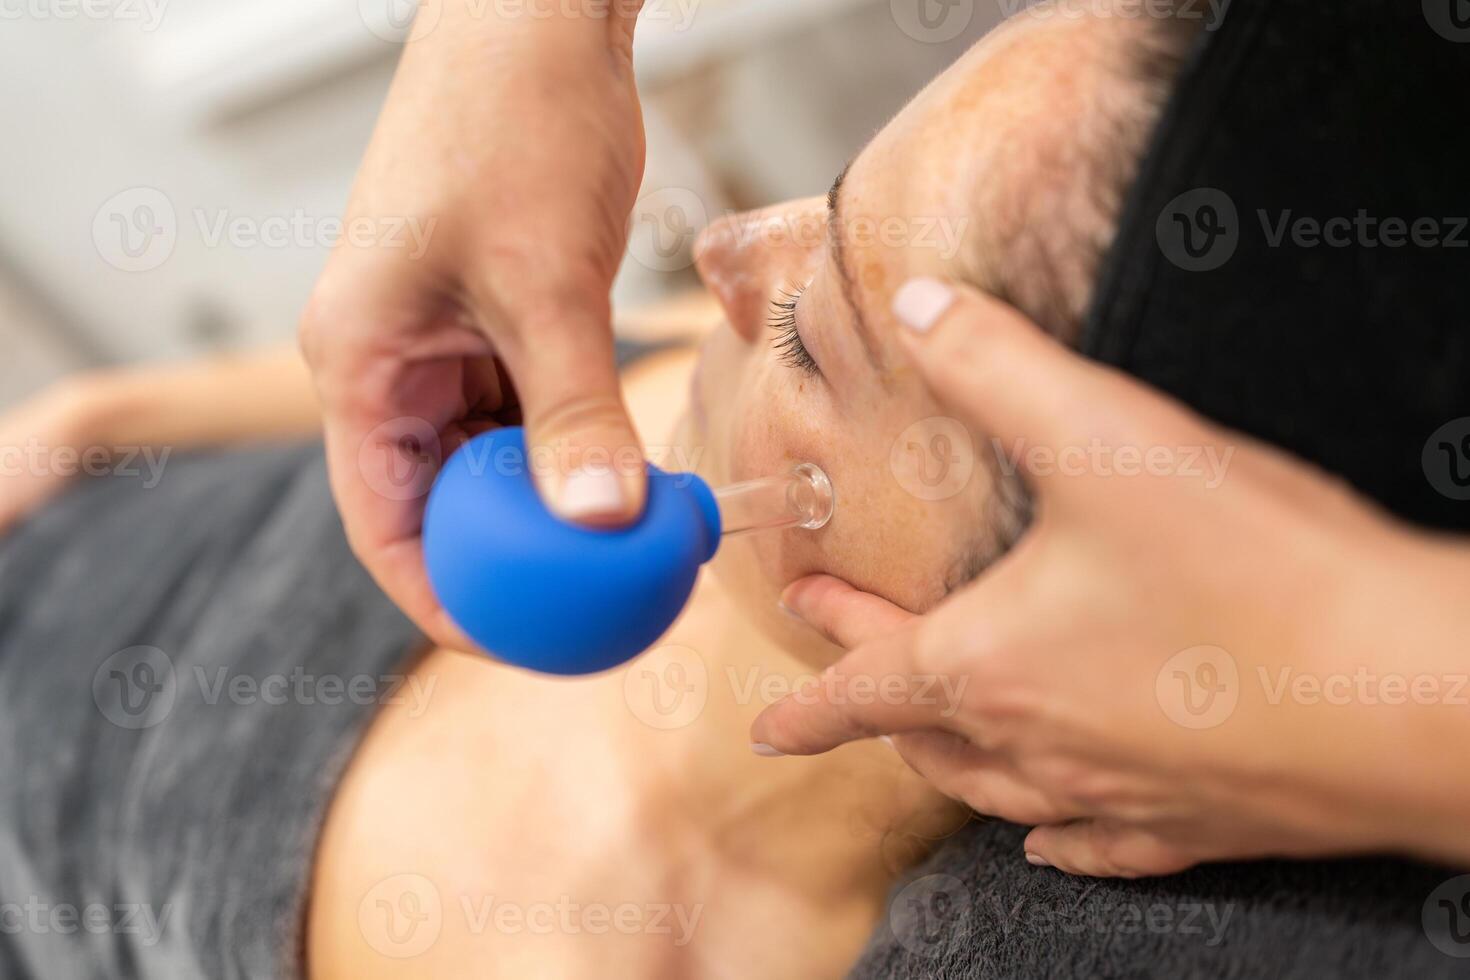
<point>1351,353</point>
<point>1294,258</point>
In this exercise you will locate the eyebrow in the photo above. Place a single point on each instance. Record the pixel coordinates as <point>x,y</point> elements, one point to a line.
<point>835,241</point>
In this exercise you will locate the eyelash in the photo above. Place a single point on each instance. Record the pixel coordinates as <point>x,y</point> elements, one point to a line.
<point>788,343</point>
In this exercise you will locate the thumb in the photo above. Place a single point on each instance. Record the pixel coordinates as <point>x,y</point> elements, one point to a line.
<point>1007,377</point>
<point>584,454</point>
<point>1104,849</point>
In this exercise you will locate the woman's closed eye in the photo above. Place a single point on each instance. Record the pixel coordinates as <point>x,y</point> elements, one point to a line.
<point>788,343</point>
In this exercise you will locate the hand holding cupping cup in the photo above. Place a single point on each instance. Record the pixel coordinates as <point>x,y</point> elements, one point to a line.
<point>502,315</point>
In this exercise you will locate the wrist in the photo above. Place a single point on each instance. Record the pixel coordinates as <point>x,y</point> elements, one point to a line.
<point>101,409</point>
<point>1405,742</point>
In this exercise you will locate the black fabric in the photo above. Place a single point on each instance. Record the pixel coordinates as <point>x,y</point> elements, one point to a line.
<point>1351,357</point>
<point>977,909</point>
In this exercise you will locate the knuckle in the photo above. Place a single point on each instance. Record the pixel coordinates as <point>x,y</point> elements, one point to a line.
<point>1114,854</point>
<point>933,647</point>
<point>1094,790</point>
<point>578,413</point>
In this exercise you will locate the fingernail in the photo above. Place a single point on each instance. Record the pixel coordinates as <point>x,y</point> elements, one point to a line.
<point>888,741</point>
<point>1037,860</point>
<point>762,749</point>
<point>590,493</point>
<point>920,303</point>
<point>781,605</point>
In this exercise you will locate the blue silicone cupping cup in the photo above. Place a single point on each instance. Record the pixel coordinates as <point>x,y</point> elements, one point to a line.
<point>537,592</point>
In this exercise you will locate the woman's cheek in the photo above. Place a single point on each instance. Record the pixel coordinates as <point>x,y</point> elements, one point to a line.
<point>778,423</point>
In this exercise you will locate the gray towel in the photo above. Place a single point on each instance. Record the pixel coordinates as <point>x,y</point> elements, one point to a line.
<point>184,671</point>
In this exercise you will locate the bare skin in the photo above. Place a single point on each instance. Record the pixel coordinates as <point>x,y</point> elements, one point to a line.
<point>540,789</point>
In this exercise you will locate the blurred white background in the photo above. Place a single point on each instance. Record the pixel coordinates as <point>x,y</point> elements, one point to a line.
<point>172,168</point>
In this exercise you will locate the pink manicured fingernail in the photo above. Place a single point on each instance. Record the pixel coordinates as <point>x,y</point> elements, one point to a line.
<point>1037,860</point>
<point>920,303</point>
<point>590,493</point>
<point>769,752</point>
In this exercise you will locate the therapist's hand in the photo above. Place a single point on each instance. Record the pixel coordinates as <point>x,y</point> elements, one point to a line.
<point>471,288</point>
<point>1200,661</point>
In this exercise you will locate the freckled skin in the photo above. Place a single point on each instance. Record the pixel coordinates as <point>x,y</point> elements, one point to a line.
<point>962,153</point>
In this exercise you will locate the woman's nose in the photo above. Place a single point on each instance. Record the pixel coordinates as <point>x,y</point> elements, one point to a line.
<point>746,259</point>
